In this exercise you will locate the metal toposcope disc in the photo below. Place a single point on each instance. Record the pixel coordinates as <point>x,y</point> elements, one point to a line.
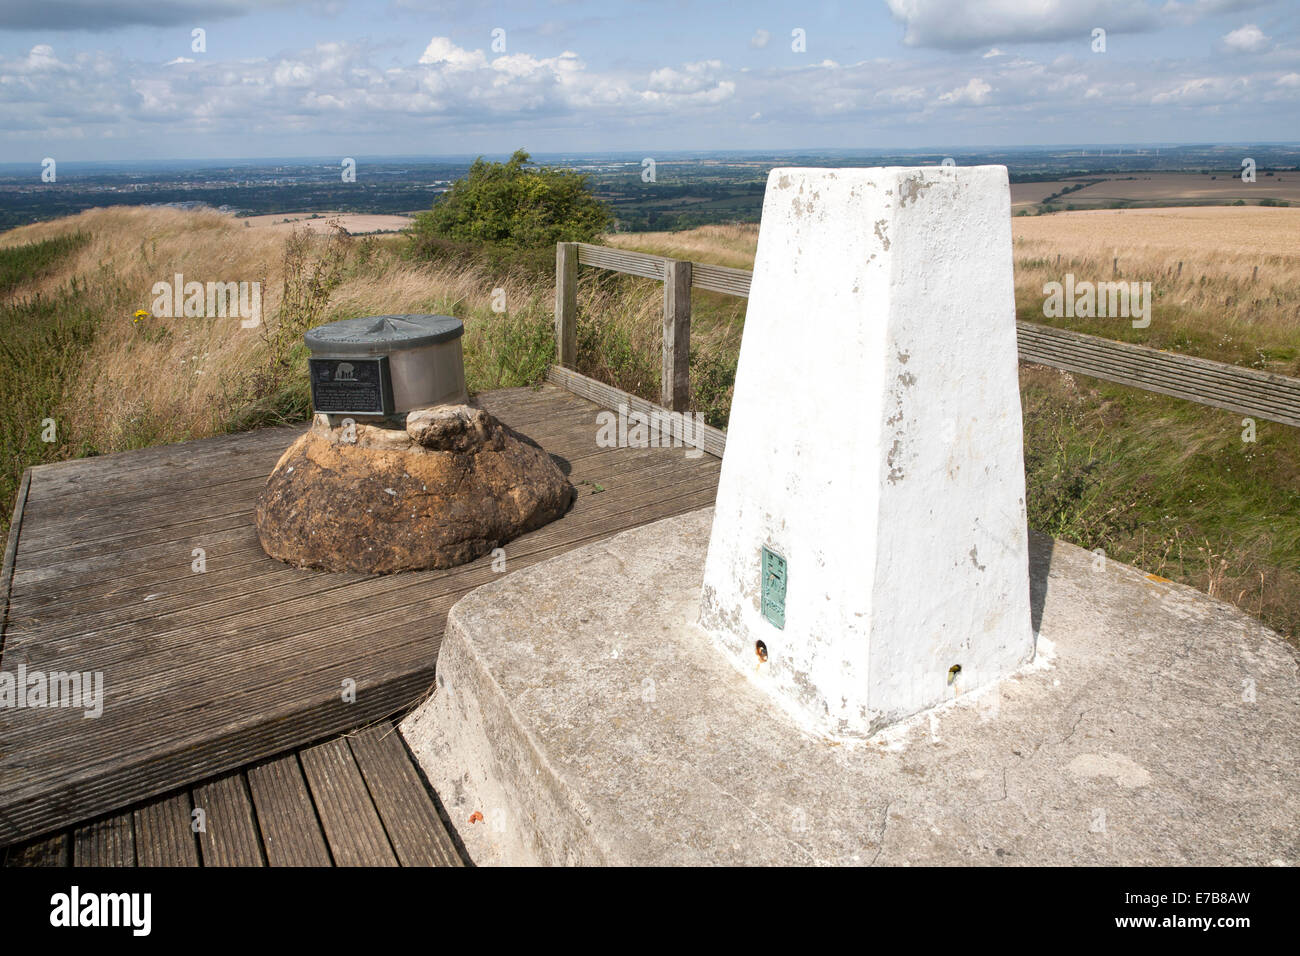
<point>382,334</point>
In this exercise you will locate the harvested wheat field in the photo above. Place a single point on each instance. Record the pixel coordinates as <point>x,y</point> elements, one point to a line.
<point>1031,194</point>
<point>1208,231</point>
<point>358,224</point>
<point>1225,280</point>
<point>1170,187</point>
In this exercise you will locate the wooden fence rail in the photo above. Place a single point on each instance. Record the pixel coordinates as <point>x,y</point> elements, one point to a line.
<point>1249,392</point>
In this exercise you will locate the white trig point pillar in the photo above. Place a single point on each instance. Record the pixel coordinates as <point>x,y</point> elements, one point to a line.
<point>870,523</point>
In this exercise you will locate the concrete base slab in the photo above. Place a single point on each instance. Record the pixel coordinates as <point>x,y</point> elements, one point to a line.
<point>582,717</point>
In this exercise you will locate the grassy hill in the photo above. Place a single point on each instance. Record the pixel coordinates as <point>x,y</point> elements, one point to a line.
<point>1163,484</point>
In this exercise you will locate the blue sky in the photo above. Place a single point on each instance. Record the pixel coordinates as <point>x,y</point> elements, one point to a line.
<point>104,80</point>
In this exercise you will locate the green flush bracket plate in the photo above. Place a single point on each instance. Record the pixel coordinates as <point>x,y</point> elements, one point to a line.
<point>773,590</point>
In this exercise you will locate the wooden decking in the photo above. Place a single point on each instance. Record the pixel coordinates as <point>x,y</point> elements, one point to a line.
<point>355,800</point>
<point>206,673</point>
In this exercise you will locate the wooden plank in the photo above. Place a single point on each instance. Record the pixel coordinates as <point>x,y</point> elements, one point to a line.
<point>50,851</point>
<point>205,462</point>
<point>109,841</point>
<point>228,835</point>
<point>402,798</point>
<point>722,279</point>
<point>126,472</point>
<point>291,832</point>
<point>675,381</point>
<point>704,276</point>
<point>566,303</point>
<point>1217,384</point>
<point>621,260</point>
<point>352,826</point>
<point>11,552</point>
<point>132,515</point>
<point>1185,368</point>
<point>175,614</point>
<point>711,440</point>
<point>1176,383</point>
<point>164,835</point>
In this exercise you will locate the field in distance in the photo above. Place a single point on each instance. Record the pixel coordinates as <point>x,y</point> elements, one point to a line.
<point>1159,189</point>
<point>356,224</point>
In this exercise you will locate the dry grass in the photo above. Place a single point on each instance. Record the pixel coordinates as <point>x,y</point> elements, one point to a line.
<point>1225,280</point>
<point>158,380</point>
<point>727,245</point>
<point>162,380</point>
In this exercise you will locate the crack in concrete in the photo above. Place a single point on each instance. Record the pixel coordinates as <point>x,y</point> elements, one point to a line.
<point>1045,741</point>
<point>880,838</point>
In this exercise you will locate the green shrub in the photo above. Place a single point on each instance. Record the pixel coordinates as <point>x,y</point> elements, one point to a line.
<point>713,376</point>
<point>512,206</point>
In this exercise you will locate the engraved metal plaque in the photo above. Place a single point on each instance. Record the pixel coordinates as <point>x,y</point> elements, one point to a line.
<point>773,589</point>
<point>351,386</point>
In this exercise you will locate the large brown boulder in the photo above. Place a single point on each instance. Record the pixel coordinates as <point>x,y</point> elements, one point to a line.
<point>449,488</point>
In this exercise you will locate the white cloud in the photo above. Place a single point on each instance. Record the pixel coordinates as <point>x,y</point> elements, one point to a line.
<point>691,78</point>
<point>1204,91</point>
<point>518,65</point>
<point>759,39</point>
<point>1247,39</point>
<point>442,52</point>
<point>41,57</point>
<point>974,93</point>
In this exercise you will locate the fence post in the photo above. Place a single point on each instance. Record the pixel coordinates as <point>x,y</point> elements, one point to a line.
<point>675,382</point>
<point>566,304</point>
